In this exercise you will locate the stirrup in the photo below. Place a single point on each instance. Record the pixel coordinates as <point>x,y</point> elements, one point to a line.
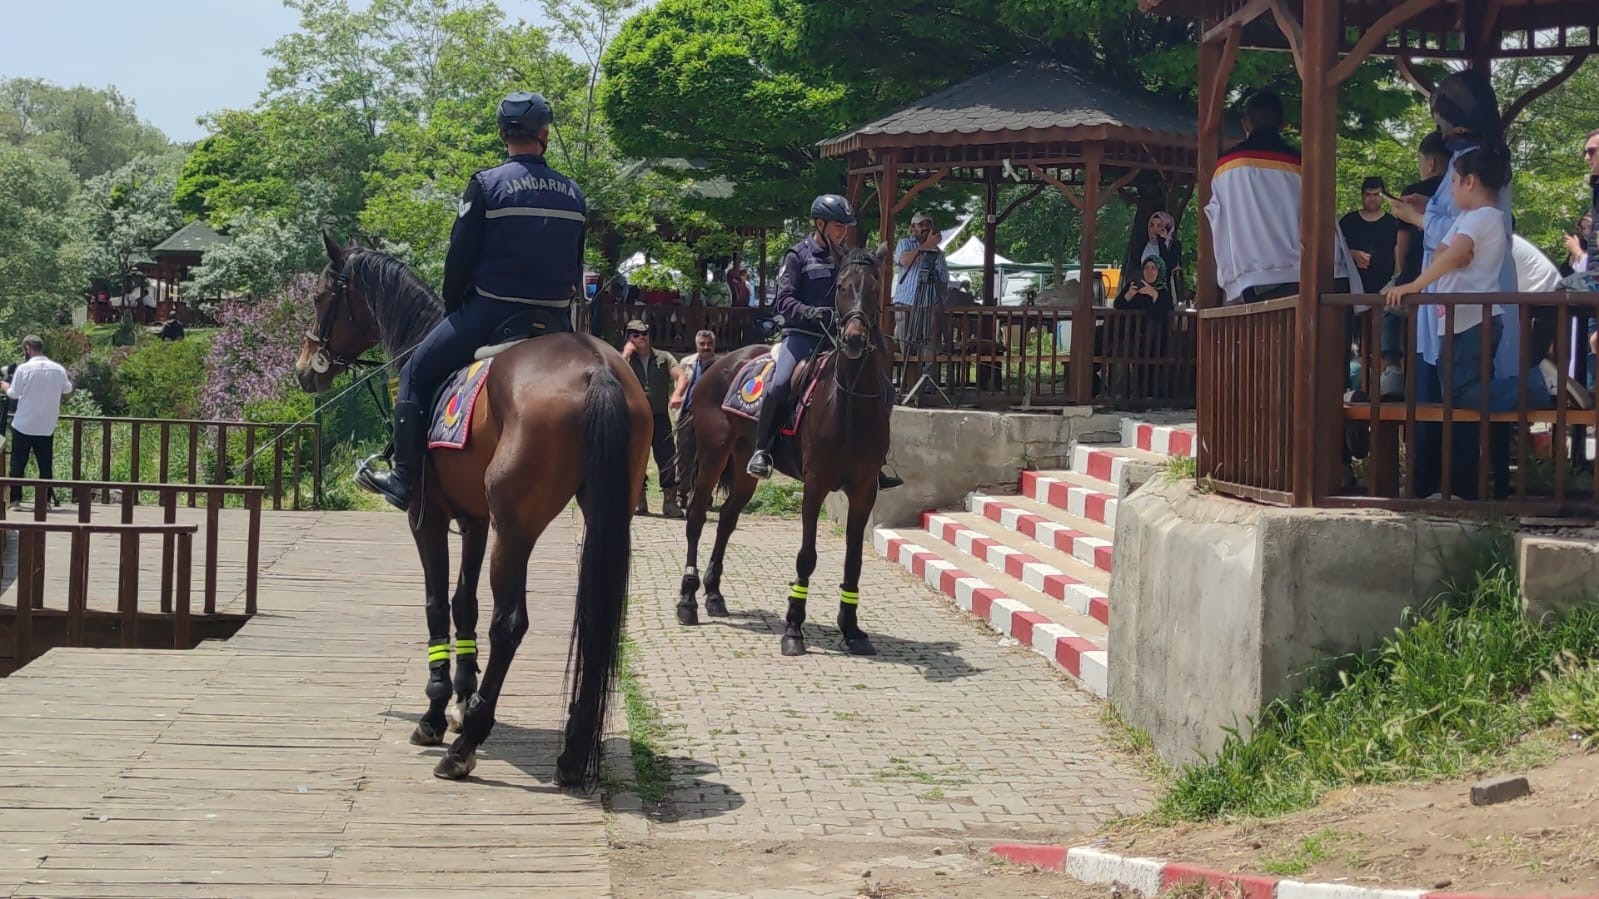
<point>760,465</point>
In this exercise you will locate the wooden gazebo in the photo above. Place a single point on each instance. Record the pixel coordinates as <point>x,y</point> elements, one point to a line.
<point>1271,429</point>
<point>1030,122</point>
<point>173,259</point>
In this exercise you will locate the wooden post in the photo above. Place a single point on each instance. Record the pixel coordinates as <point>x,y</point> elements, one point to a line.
<point>1207,293</point>
<point>760,274</point>
<point>1082,366</point>
<point>1315,434</point>
<point>990,225</point>
<point>180,621</point>
<point>887,196</point>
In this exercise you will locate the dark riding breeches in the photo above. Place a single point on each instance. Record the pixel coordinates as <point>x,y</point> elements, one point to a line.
<point>452,343</point>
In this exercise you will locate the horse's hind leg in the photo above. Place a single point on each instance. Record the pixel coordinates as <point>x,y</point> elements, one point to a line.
<point>710,468</point>
<point>432,545</point>
<point>726,524</point>
<point>861,501</point>
<point>507,626</point>
<point>804,567</point>
<point>474,540</point>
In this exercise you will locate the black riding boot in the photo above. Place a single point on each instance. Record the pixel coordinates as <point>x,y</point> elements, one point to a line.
<point>765,434</point>
<point>398,483</point>
<point>886,481</point>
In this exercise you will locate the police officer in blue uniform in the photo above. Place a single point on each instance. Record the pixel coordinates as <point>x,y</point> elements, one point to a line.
<point>516,249</point>
<point>805,291</point>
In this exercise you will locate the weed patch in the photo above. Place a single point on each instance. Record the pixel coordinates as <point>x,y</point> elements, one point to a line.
<point>646,734</point>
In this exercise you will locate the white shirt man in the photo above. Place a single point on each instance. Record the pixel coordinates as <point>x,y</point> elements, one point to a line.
<point>36,387</point>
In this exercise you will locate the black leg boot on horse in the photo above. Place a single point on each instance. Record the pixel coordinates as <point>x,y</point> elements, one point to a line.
<point>398,484</point>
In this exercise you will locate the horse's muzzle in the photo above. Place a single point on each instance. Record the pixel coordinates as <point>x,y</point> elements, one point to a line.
<point>853,346</point>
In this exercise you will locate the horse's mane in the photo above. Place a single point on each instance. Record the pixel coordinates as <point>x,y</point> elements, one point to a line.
<point>856,257</point>
<point>403,305</point>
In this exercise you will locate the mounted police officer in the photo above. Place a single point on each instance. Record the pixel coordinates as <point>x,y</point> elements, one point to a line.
<point>516,250</point>
<point>805,290</point>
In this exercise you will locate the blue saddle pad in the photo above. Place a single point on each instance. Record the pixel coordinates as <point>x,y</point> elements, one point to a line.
<point>748,389</point>
<point>452,410</point>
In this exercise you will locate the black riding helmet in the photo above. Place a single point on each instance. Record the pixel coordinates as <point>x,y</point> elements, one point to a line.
<point>525,112</point>
<point>832,208</point>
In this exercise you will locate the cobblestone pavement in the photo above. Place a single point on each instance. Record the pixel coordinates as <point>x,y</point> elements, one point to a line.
<point>946,733</point>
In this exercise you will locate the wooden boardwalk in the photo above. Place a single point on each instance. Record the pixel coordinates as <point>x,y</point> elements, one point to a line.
<point>277,763</point>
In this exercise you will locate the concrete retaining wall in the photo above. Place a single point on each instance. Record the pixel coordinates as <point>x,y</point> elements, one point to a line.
<point>943,454</point>
<point>1219,606</point>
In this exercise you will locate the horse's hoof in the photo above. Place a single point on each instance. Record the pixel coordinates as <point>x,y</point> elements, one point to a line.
<point>860,646</point>
<point>688,615</point>
<point>454,767</point>
<point>716,606</point>
<point>427,734</point>
<point>793,646</point>
<point>454,714</point>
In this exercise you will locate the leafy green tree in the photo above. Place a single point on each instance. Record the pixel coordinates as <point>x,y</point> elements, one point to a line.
<point>35,196</point>
<point>118,217</point>
<point>93,131</point>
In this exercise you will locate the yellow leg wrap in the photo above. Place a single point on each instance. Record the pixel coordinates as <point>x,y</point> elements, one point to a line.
<point>849,597</point>
<point>465,647</point>
<point>798,592</point>
<point>438,652</point>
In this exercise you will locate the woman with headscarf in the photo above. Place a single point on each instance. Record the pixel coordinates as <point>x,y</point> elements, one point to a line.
<point>1163,242</point>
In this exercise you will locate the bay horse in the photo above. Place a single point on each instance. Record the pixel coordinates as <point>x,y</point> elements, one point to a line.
<point>841,444</point>
<point>560,416</point>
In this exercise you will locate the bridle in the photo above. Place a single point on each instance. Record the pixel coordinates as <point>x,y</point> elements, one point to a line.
<point>325,357</point>
<point>837,336</point>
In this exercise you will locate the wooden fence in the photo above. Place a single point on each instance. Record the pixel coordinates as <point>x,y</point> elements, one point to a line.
<point>1245,399</point>
<point>281,456</point>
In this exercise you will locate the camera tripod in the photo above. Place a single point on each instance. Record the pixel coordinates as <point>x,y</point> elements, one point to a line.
<point>925,316</point>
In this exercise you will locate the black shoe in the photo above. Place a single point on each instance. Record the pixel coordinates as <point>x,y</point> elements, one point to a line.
<point>398,483</point>
<point>760,465</point>
<point>886,481</point>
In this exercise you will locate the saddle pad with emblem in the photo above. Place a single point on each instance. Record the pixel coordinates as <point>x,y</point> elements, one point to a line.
<point>452,410</point>
<point>748,389</point>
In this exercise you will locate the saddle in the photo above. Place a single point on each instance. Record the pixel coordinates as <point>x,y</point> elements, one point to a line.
<point>747,393</point>
<point>519,327</point>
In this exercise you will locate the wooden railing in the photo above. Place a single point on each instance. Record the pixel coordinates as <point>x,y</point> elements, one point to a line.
<point>1021,355</point>
<point>168,495</point>
<point>1526,454</point>
<point>1245,400</point>
<point>276,455</point>
<point>1434,449</point>
<point>673,327</point>
<point>31,575</point>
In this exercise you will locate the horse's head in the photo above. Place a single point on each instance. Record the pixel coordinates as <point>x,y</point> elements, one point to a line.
<point>857,299</point>
<point>343,328</point>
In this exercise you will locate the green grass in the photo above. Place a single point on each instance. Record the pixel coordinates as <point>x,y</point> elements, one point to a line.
<point>646,733</point>
<point>778,498</point>
<point>1181,468</point>
<point>1309,852</point>
<point>1452,692</point>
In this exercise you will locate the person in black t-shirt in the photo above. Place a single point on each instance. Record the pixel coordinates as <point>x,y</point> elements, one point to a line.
<point>1371,234</point>
<point>1432,163</point>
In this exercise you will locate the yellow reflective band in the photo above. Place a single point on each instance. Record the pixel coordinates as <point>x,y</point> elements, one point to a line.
<point>466,647</point>
<point>435,653</point>
<point>798,591</point>
<point>849,597</point>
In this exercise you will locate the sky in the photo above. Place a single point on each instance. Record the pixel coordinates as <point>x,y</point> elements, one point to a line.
<point>176,59</point>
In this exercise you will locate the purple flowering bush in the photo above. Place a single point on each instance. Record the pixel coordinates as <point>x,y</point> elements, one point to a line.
<point>252,356</point>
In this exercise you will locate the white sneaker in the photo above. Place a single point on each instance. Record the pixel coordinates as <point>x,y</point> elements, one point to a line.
<point>1551,380</point>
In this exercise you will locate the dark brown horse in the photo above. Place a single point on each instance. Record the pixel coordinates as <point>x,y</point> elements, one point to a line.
<point>560,416</point>
<point>841,444</point>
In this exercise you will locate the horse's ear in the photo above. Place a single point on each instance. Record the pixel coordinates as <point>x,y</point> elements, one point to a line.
<point>335,252</point>
<point>881,253</point>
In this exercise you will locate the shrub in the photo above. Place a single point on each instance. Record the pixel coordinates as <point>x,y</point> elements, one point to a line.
<point>252,357</point>
<point>162,378</point>
<point>67,346</point>
<point>96,375</point>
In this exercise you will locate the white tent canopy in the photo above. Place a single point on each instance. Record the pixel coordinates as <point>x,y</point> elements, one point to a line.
<point>970,255</point>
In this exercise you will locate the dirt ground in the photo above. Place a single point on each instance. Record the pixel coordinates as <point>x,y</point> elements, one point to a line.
<point>828,867</point>
<point>1427,837</point>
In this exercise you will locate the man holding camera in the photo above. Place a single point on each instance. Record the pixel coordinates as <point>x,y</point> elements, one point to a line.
<point>917,258</point>
<point>36,387</point>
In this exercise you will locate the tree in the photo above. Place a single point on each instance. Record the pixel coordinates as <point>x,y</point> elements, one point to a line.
<point>35,193</point>
<point>264,253</point>
<point>118,217</point>
<point>93,131</point>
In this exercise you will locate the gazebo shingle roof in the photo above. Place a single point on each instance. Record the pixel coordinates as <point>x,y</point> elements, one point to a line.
<point>195,237</point>
<point>1026,100</point>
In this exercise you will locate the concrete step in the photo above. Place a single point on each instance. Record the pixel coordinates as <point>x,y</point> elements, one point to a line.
<point>1160,439</point>
<point>1006,604</point>
<point>1079,587</point>
<point>1117,465</point>
<point>1077,494</point>
<point>1046,527</point>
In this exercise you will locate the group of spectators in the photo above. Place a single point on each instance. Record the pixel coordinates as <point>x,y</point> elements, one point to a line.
<point>669,385</point>
<point>1450,232</point>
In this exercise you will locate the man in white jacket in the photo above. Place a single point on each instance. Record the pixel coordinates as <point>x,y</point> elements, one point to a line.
<point>1254,212</point>
<point>37,386</point>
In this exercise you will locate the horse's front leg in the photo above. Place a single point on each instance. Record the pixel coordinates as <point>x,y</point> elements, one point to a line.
<point>699,503</point>
<point>804,567</point>
<point>726,523</point>
<point>474,540</point>
<point>431,535</point>
<point>861,500</point>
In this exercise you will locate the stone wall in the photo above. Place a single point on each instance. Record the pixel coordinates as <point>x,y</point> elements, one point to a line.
<point>1219,606</point>
<point>943,454</point>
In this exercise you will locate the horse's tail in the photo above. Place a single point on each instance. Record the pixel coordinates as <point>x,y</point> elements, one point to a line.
<point>602,575</point>
<point>685,458</point>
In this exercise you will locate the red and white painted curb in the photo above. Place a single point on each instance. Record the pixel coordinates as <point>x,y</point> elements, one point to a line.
<point>1163,440</point>
<point>1011,617</point>
<point>1083,547</point>
<point>1152,876</point>
<point>1102,462</point>
<point>1076,499</point>
<point>1041,576</point>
